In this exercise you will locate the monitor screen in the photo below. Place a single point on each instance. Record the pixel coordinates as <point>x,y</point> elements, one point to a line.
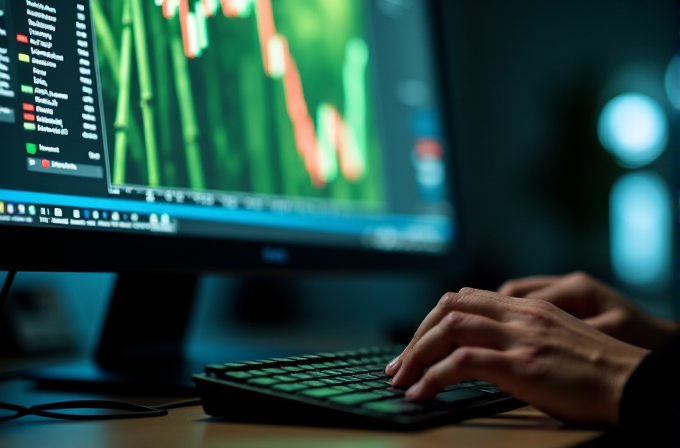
<point>313,124</point>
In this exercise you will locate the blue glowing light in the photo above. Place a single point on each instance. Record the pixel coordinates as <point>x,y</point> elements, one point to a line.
<point>641,230</point>
<point>634,128</point>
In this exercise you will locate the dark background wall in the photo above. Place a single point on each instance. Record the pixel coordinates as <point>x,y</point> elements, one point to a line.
<point>531,78</point>
<point>527,80</point>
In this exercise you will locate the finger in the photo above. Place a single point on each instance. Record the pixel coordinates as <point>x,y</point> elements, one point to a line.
<point>480,363</point>
<point>468,300</point>
<point>455,329</point>
<point>608,322</point>
<point>430,321</point>
<point>521,287</point>
<point>571,294</point>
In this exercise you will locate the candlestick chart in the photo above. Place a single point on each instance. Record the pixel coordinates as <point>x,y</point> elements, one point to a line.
<point>258,96</point>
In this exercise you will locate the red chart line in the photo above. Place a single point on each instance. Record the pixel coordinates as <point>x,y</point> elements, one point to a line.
<point>304,129</point>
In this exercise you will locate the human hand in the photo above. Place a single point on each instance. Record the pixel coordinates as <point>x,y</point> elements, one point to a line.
<point>528,348</point>
<point>597,304</point>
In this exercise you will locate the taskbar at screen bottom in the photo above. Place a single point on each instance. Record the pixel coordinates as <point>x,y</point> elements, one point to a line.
<point>409,234</point>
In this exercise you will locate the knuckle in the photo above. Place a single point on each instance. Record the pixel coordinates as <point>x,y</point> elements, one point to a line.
<point>538,313</point>
<point>531,335</point>
<point>579,277</point>
<point>542,306</point>
<point>466,291</point>
<point>451,320</point>
<point>447,300</point>
<point>462,357</point>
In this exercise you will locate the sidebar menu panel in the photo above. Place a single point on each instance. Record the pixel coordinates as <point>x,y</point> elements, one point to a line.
<point>7,84</point>
<point>58,141</point>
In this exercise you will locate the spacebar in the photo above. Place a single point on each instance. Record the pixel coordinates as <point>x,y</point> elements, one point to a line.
<point>459,395</point>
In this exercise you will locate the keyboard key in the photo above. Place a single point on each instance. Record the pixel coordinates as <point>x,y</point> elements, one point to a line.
<point>257,372</point>
<point>359,386</point>
<point>376,367</point>
<point>325,392</point>
<point>273,371</point>
<point>319,366</point>
<point>385,393</point>
<point>238,376</point>
<point>492,391</point>
<point>458,395</point>
<point>251,363</point>
<point>355,398</point>
<point>267,362</point>
<point>285,378</point>
<point>314,383</point>
<point>291,369</point>
<point>346,379</point>
<point>235,366</point>
<point>397,392</point>
<point>363,376</point>
<point>332,381</point>
<point>393,406</point>
<point>305,367</point>
<point>262,381</point>
<point>285,361</point>
<point>216,369</point>
<point>290,387</point>
<point>301,376</point>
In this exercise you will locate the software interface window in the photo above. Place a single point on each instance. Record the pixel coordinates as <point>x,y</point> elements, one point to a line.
<point>312,122</point>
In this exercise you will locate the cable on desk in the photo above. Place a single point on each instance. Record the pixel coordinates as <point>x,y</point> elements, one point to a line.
<point>131,410</point>
<point>19,411</point>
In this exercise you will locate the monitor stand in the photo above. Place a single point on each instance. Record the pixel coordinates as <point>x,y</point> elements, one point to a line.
<point>141,347</point>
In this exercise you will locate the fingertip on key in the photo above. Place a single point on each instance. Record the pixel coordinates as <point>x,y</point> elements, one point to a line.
<point>393,367</point>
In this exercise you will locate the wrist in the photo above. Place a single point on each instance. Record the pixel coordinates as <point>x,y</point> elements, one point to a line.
<point>621,373</point>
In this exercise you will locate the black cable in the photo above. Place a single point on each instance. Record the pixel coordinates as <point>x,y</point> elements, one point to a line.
<point>130,410</point>
<point>19,411</point>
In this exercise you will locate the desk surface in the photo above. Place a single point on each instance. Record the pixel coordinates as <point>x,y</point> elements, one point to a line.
<point>190,427</point>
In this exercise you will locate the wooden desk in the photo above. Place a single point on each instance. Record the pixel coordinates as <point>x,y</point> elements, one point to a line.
<point>190,427</point>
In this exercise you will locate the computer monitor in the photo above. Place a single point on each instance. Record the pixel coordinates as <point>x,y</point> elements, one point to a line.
<point>169,138</point>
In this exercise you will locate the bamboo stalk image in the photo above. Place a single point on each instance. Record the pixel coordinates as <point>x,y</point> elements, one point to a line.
<point>190,130</point>
<point>252,92</point>
<point>163,81</point>
<point>229,164</point>
<point>146,92</point>
<point>108,51</point>
<point>123,105</point>
<point>292,174</point>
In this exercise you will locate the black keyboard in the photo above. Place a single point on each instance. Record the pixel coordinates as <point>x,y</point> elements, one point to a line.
<point>346,389</point>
